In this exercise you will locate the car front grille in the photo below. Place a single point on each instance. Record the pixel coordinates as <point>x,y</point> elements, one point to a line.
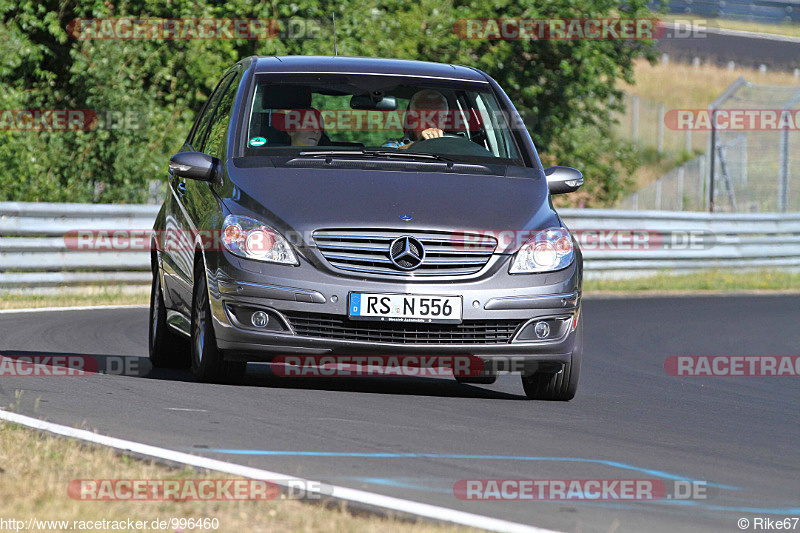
<point>368,251</point>
<point>338,327</point>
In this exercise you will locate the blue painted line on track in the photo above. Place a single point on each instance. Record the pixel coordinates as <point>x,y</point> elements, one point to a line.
<point>393,455</point>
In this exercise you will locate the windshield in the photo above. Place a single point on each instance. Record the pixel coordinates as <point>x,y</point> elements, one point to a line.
<point>348,115</point>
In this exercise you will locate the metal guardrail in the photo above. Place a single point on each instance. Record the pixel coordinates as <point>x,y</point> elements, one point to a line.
<point>729,241</point>
<point>33,251</point>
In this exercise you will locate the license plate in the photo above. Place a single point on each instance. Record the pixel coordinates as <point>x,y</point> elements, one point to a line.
<point>405,308</point>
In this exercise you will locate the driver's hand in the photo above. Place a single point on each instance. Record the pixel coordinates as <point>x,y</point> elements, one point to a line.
<point>431,133</point>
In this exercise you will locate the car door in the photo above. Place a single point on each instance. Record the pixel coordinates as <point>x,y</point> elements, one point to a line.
<point>200,201</point>
<point>178,252</point>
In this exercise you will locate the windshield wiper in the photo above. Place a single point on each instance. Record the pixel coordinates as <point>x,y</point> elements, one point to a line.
<point>376,153</point>
<point>407,155</point>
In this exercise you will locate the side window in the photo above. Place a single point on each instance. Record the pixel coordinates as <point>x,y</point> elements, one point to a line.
<point>196,125</point>
<point>222,117</point>
<point>491,115</point>
<point>201,124</point>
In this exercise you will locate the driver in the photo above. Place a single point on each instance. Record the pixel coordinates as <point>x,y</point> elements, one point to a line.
<point>426,100</point>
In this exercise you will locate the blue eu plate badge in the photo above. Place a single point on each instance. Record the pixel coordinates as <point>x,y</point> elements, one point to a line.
<point>355,304</point>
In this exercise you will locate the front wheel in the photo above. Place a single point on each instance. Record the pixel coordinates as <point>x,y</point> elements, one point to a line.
<point>561,386</point>
<point>207,363</point>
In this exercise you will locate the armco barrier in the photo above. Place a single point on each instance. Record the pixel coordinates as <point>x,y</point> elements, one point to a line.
<point>33,252</point>
<point>735,241</point>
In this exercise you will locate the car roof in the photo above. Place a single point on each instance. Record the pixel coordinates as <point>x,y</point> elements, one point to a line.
<point>366,65</point>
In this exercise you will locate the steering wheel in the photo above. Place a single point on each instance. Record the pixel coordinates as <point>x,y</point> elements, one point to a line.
<point>450,144</point>
<point>444,136</point>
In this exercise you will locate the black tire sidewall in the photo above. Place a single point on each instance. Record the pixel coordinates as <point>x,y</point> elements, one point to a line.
<point>155,298</point>
<point>563,385</point>
<point>211,367</point>
<point>167,348</point>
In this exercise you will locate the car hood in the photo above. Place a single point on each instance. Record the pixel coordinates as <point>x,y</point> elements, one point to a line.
<point>303,200</point>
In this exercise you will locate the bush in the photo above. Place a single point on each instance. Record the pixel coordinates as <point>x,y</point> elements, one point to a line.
<point>564,84</point>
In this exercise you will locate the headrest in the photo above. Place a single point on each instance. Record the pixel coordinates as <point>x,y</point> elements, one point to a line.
<point>296,120</point>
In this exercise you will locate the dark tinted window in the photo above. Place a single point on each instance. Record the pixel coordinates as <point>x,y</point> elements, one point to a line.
<point>201,126</point>
<point>213,144</point>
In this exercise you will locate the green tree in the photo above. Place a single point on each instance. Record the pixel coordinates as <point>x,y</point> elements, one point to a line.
<point>564,87</point>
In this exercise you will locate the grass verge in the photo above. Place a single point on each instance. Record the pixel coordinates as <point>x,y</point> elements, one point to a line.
<point>37,468</point>
<point>717,281</point>
<point>73,297</point>
<point>683,86</point>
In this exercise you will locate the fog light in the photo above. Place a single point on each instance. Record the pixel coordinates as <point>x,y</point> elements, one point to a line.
<point>542,329</point>
<point>259,319</point>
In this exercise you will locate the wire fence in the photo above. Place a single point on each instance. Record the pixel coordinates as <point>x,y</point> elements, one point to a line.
<point>643,122</point>
<point>682,189</point>
<point>755,166</point>
<point>756,170</point>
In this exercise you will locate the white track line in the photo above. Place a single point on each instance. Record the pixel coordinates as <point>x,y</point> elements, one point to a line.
<point>340,493</point>
<point>77,308</point>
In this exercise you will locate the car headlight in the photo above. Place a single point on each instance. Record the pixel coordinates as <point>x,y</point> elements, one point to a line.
<point>251,239</point>
<point>548,250</point>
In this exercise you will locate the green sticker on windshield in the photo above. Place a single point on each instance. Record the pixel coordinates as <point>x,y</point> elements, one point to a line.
<point>258,141</point>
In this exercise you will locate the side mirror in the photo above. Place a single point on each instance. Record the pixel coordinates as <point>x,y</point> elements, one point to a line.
<point>561,180</point>
<point>192,165</point>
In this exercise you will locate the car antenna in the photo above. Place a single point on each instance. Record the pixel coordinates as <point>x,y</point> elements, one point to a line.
<point>335,47</point>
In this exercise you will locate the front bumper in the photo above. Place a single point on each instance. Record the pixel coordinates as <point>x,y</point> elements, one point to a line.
<point>314,290</point>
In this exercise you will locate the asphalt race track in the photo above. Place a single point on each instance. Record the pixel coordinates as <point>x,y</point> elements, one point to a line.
<point>721,46</point>
<point>414,438</point>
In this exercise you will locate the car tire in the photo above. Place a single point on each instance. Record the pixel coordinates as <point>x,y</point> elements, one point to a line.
<point>168,349</point>
<point>208,365</point>
<point>557,386</point>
